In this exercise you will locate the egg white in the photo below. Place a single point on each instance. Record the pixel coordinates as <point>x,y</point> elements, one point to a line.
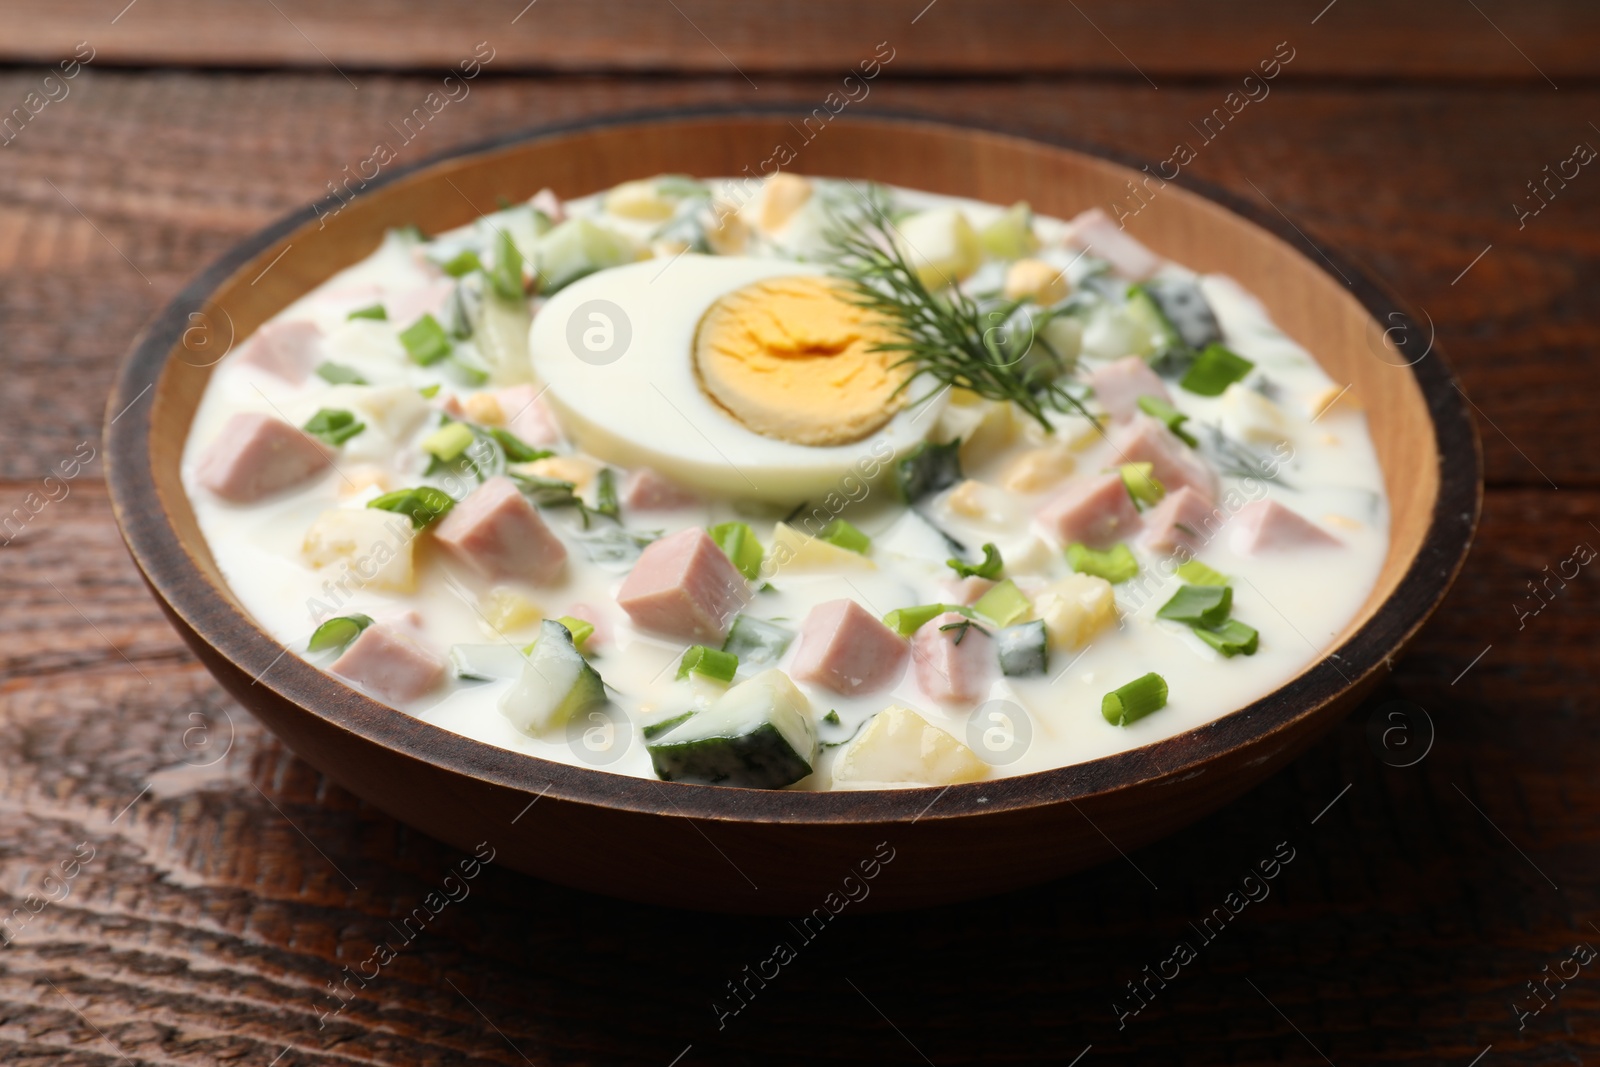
<point>645,406</point>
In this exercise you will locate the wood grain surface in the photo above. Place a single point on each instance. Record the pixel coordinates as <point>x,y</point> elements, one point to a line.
<point>219,885</point>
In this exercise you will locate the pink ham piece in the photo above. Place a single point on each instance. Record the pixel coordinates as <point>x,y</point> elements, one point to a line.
<point>684,586</point>
<point>547,201</point>
<point>845,649</point>
<point>967,590</point>
<point>525,414</point>
<point>1266,526</point>
<point>952,671</point>
<point>497,533</point>
<point>594,617</point>
<point>647,490</point>
<point>390,664</point>
<point>289,350</point>
<point>407,306</point>
<point>256,455</point>
<point>1184,519</point>
<point>1119,385</point>
<point>1095,231</point>
<point>1097,511</point>
<point>1146,440</point>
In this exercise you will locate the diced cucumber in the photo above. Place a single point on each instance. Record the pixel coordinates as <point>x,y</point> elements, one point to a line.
<point>501,334</point>
<point>578,247</point>
<point>1185,308</point>
<point>757,641</point>
<point>487,663</point>
<point>556,683</point>
<point>927,469</point>
<point>1004,603</point>
<point>656,729</point>
<point>1024,649</point>
<point>1145,312</point>
<point>759,735</point>
<point>523,223</point>
<point>1011,235</point>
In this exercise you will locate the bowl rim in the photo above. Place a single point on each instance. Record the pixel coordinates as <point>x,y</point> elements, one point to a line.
<point>206,611</point>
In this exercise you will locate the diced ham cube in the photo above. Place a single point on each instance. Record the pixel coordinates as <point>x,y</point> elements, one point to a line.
<point>256,455</point>
<point>499,534</point>
<point>1266,525</point>
<point>525,414</point>
<point>1183,518</point>
<point>594,617</point>
<point>409,305</point>
<point>845,649</point>
<point>684,586</point>
<point>547,201</point>
<point>290,350</point>
<point>1119,385</point>
<point>648,490</point>
<point>968,590</point>
<point>1094,230</point>
<point>1097,511</point>
<point>390,664</point>
<point>1146,440</point>
<point>953,666</point>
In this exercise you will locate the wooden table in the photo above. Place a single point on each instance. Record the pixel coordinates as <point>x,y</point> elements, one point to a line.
<point>218,885</point>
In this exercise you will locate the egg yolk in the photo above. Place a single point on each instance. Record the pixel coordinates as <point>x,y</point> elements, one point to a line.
<point>792,358</point>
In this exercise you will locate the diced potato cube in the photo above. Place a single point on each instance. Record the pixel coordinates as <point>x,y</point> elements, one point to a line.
<point>1252,417</point>
<point>1038,469</point>
<point>372,546</point>
<point>899,745</point>
<point>1043,282</point>
<point>941,245</point>
<point>640,200</point>
<point>726,232</point>
<point>1036,557</point>
<point>397,410</point>
<point>1075,609</point>
<point>576,468</point>
<point>359,478</point>
<point>1344,522</point>
<point>1341,396</point>
<point>793,550</point>
<point>986,427</point>
<point>506,610</point>
<point>483,408</point>
<point>783,196</point>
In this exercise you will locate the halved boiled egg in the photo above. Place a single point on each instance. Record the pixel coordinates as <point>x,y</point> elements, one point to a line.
<point>746,376</point>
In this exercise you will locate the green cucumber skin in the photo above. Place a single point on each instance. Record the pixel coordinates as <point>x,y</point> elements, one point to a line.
<point>761,759</point>
<point>655,730</point>
<point>1023,649</point>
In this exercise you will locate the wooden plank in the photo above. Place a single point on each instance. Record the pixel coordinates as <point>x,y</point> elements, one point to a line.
<point>90,248</point>
<point>229,883</point>
<point>1130,40</point>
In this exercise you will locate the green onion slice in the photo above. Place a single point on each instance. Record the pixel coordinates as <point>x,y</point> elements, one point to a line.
<point>1141,483</point>
<point>422,505</point>
<point>846,536</point>
<point>374,311</point>
<point>463,264</point>
<point>506,276</point>
<point>334,425</point>
<point>580,629</point>
<point>1232,638</point>
<point>1116,564</point>
<point>738,541</point>
<point>426,341</point>
<point>339,374</point>
<point>337,633</point>
<point>1132,702</point>
<point>710,662</point>
<point>517,450</point>
<point>448,441</point>
<point>1174,419</point>
<point>907,621</point>
<point>1199,605</point>
<point>605,496</point>
<point>989,568</point>
<point>1196,573</point>
<point>1214,369</point>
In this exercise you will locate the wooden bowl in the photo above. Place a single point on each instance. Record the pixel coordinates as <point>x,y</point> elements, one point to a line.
<point>772,851</point>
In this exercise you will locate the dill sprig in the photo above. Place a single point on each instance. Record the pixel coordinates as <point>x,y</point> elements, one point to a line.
<point>943,336</point>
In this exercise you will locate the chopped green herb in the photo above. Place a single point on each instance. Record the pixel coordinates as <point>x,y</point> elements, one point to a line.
<point>710,662</point>
<point>464,263</point>
<point>339,374</point>
<point>739,543</point>
<point>1004,604</point>
<point>1214,369</point>
<point>832,718</point>
<point>448,441</point>
<point>425,341</point>
<point>517,450</point>
<point>756,641</point>
<point>580,629</point>
<point>1199,605</point>
<point>1116,565</point>
<point>927,469</point>
<point>989,568</point>
<point>334,425</point>
<point>961,627</point>
<point>506,275</point>
<point>1174,419</point>
<point>1196,573</point>
<point>1232,638</point>
<point>907,621</point>
<point>428,392</point>
<point>1134,701</point>
<point>337,633</point>
<point>467,372</point>
<point>372,311</point>
<point>846,536</point>
<point>605,494</point>
<point>423,504</point>
<point>1141,482</point>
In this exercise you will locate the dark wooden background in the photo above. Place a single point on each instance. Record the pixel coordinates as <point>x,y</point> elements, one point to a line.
<point>229,883</point>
